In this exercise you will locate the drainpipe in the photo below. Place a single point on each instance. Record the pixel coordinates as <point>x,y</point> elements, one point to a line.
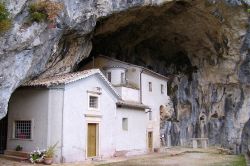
<point>141,86</point>
<point>62,158</point>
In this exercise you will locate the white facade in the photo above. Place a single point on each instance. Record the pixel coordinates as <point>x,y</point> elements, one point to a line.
<point>134,138</point>
<point>62,113</point>
<point>138,79</point>
<point>154,100</point>
<point>116,75</point>
<point>129,93</point>
<point>38,106</point>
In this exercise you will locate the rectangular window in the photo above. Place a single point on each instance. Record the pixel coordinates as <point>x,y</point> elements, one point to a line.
<point>125,124</point>
<point>150,86</point>
<point>150,115</point>
<point>93,102</point>
<point>162,89</point>
<point>22,129</point>
<point>122,78</point>
<point>109,76</point>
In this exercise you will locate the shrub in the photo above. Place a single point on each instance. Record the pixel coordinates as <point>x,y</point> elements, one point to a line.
<point>38,17</point>
<point>44,10</point>
<point>5,22</point>
<point>19,148</point>
<point>51,151</point>
<point>37,156</point>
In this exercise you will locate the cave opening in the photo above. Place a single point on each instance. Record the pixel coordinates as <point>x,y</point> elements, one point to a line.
<point>146,36</point>
<point>171,39</point>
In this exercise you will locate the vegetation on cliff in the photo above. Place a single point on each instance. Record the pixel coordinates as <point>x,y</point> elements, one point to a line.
<point>44,10</point>
<point>5,21</point>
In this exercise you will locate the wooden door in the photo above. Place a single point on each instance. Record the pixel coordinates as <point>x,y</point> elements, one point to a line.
<point>92,139</point>
<point>3,134</point>
<point>150,141</point>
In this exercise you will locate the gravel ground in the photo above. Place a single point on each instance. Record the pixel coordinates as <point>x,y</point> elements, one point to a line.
<point>173,157</point>
<point>186,159</point>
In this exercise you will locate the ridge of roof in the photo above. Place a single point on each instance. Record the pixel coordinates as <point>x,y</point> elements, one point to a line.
<point>141,67</point>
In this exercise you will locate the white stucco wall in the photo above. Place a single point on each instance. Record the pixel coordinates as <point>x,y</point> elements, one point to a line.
<point>132,74</point>
<point>116,75</point>
<point>76,116</point>
<point>29,104</point>
<point>44,108</point>
<point>154,100</point>
<point>129,93</point>
<point>135,137</point>
<point>56,99</point>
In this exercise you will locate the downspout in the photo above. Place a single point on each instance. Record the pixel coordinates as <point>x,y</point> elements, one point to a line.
<point>62,158</point>
<point>141,86</point>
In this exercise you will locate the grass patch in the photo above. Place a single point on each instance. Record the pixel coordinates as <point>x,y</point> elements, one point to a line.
<point>239,161</point>
<point>233,160</point>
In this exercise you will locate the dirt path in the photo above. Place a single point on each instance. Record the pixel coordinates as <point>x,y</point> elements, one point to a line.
<point>185,159</point>
<point>174,157</point>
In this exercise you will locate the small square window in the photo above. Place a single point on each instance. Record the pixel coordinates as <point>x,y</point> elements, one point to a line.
<point>93,102</point>
<point>162,89</point>
<point>125,124</point>
<point>150,86</point>
<point>22,129</point>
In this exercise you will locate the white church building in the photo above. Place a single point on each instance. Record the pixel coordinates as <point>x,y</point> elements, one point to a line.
<point>139,84</point>
<point>103,112</point>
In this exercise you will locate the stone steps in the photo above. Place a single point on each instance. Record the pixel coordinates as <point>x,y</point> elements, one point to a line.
<point>13,158</point>
<point>15,155</point>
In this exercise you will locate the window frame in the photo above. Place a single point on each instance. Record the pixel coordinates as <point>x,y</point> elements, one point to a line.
<point>14,129</point>
<point>98,102</point>
<point>124,128</point>
<point>123,78</point>
<point>150,86</point>
<point>162,89</point>
<point>109,76</point>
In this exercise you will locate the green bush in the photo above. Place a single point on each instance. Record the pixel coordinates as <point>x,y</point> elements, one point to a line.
<point>37,12</point>
<point>38,17</point>
<point>44,10</point>
<point>5,22</point>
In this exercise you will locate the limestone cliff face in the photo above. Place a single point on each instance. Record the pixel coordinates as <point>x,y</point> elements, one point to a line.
<point>205,43</point>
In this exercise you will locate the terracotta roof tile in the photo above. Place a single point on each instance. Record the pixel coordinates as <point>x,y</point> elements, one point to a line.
<point>131,104</point>
<point>61,79</point>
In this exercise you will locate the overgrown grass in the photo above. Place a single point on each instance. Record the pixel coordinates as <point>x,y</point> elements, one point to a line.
<point>5,22</point>
<point>235,161</point>
<point>239,161</point>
